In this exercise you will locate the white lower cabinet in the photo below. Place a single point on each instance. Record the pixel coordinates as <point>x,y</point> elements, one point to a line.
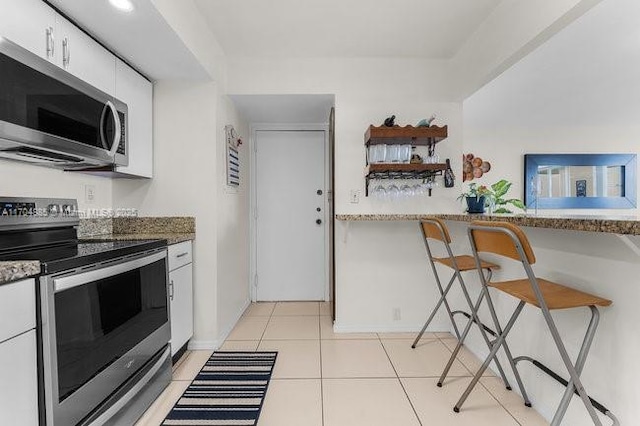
<point>181,297</point>
<point>18,354</point>
<point>19,381</point>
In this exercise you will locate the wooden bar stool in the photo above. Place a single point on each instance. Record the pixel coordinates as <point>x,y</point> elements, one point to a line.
<point>508,240</point>
<point>435,229</point>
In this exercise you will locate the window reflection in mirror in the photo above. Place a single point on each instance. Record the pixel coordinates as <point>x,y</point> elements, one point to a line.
<point>581,181</point>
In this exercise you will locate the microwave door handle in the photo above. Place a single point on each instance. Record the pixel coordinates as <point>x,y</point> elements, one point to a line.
<point>103,137</point>
<point>118,130</point>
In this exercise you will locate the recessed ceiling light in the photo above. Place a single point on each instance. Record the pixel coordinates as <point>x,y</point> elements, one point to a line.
<point>124,5</point>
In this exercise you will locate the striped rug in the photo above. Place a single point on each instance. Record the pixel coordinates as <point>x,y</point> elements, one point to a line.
<point>229,391</point>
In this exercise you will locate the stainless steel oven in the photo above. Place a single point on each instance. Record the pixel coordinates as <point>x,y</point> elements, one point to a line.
<point>103,315</point>
<point>101,325</point>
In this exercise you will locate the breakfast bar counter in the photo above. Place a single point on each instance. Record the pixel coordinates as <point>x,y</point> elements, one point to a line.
<point>622,225</point>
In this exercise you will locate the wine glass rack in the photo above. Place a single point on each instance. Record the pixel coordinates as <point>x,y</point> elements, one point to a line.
<point>408,135</point>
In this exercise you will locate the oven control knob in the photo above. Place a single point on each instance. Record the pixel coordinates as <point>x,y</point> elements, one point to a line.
<point>53,210</point>
<point>67,210</point>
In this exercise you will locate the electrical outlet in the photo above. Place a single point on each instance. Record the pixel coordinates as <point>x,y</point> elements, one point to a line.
<point>89,194</point>
<point>354,196</point>
<point>397,314</point>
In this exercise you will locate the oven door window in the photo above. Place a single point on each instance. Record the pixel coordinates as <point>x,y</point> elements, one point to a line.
<point>99,322</point>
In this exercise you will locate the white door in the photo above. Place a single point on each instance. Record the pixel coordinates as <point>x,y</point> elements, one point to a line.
<point>290,230</point>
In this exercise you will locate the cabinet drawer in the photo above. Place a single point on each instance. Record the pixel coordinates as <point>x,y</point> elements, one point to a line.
<point>181,297</point>
<point>19,381</point>
<point>180,255</point>
<point>17,308</point>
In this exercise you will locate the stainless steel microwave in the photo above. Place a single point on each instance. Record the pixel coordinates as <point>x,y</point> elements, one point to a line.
<point>50,117</point>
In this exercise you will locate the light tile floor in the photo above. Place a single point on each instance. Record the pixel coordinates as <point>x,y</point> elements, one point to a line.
<point>326,379</point>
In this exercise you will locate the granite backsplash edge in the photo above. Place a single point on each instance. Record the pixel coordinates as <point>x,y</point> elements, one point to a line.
<point>136,225</point>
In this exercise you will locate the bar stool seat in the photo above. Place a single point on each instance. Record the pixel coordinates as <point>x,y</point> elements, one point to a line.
<point>556,296</point>
<point>465,263</point>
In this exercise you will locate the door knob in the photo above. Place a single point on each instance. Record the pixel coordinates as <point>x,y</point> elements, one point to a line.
<point>318,209</point>
<point>319,192</point>
<point>319,221</point>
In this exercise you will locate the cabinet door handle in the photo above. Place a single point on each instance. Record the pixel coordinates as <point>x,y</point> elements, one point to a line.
<point>171,290</point>
<point>51,43</point>
<point>182,254</point>
<point>66,52</point>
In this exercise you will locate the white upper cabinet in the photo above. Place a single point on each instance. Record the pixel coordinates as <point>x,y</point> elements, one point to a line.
<point>36,27</point>
<point>83,57</point>
<point>137,93</point>
<point>31,24</point>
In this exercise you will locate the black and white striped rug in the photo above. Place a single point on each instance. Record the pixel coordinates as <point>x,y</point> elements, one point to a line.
<point>229,390</point>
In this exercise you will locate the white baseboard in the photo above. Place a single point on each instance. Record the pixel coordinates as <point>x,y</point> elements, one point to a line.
<point>406,328</point>
<point>203,345</point>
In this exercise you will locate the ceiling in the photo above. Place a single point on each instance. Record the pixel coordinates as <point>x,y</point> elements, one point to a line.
<point>345,28</point>
<point>143,38</point>
<point>284,109</point>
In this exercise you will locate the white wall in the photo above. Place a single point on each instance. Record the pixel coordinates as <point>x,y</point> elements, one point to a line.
<point>25,180</point>
<point>185,18</point>
<point>513,30</point>
<point>184,183</point>
<point>576,93</point>
<point>233,223</point>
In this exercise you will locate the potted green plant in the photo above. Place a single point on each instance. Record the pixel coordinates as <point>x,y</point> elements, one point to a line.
<point>475,197</point>
<point>480,196</point>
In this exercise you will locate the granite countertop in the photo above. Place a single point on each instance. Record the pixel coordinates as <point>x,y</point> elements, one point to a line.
<point>17,270</point>
<point>624,225</point>
<point>172,238</point>
<point>173,229</point>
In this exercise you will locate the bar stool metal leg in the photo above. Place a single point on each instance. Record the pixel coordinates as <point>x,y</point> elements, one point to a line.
<point>574,372</point>
<point>443,299</point>
<point>506,349</point>
<point>496,346</point>
<point>442,293</point>
<point>476,318</point>
<point>467,328</point>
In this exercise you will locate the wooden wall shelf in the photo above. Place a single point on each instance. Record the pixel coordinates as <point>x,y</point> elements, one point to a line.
<point>416,136</point>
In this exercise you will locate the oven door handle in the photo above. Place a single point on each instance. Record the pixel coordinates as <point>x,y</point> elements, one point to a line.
<point>66,283</point>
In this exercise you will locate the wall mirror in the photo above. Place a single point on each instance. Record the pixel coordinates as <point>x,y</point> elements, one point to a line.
<point>580,181</point>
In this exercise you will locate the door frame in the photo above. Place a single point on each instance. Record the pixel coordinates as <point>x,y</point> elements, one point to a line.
<point>253,255</point>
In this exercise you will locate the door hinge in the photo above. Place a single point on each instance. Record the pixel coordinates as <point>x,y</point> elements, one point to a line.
<point>255,281</point>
